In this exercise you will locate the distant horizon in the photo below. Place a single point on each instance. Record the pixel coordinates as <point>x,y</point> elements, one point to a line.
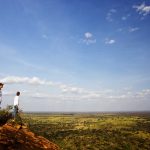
<point>140,111</point>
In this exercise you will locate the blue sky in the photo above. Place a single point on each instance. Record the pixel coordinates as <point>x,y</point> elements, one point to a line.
<point>76,55</point>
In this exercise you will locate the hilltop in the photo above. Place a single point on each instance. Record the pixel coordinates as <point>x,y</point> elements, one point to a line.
<point>15,137</point>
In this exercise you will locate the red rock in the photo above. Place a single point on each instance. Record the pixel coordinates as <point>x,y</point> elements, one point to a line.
<point>15,138</point>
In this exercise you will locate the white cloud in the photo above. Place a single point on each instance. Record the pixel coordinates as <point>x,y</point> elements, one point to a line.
<point>88,35</point>
<point>39,95</point>
<point>109,41</point>
<point>88,38</point>
<point>133,29</point>
<point>143,94</point>
<point>142,9</point>
<point>37,81</point>
<point>72,89</point>
<point>109,16</point>
<point>19,80</point>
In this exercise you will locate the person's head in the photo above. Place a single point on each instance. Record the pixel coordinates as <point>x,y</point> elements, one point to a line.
<point>1,85</point>
<point>18,93</point>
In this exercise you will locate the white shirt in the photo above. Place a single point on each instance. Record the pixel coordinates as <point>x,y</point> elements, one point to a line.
<point>16,100</point>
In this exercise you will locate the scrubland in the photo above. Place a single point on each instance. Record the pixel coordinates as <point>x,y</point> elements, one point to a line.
<point>93,131</point>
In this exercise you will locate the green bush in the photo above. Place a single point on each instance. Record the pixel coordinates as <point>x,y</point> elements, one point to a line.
<point>5,115</point>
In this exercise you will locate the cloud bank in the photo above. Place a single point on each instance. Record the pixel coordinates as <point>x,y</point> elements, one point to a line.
<point>72,92</point>
<point>142,9</point>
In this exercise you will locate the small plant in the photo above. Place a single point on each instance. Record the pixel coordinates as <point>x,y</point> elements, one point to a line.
<point>5,114</point>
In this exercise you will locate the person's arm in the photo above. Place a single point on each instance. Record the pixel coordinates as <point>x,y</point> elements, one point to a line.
<point>18,101</point>
<point>0,96</point>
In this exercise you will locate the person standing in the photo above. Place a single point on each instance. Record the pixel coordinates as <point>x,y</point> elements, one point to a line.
<point>16,104</point>
<point>1,86</point>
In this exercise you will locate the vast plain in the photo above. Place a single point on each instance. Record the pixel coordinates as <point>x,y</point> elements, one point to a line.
<point>93,131</point>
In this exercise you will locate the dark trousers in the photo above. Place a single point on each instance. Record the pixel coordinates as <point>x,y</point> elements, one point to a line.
<point>15,111</point>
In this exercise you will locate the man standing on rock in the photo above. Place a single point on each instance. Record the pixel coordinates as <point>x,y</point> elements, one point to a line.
<point>1,86</point>
<point>16,104</point>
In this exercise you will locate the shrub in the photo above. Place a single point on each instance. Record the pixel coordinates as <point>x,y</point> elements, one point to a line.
<point>5,115</point>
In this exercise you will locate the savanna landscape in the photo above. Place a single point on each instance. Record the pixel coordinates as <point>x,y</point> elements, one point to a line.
<point>93,131</point>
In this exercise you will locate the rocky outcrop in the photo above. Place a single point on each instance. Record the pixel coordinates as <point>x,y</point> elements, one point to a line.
<point>15,137</point>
